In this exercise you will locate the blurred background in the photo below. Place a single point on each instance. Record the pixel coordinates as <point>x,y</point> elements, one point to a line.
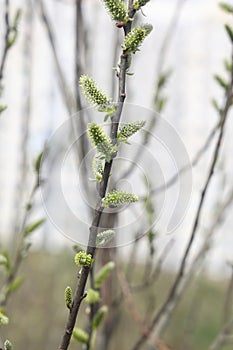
<point>57,41</point>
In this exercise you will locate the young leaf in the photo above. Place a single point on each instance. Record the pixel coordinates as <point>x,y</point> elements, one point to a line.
<point>103,273</point>
<point>229,31</point>
<point>3,319</point>
<point>226,7</point>
<point>32,227</point>
<point>221,82</point>
<point>38,162</point>
<point>16,284</point>
<point>3,108</point>
<point>3,260</point>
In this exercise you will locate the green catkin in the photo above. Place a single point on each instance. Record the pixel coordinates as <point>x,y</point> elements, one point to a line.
<point>135,38</point>
<point>130,129</point>
<point>116,198</point>
<point>95,96</point>
<point>98,167</point>
<point>139,3</point>
<point>101,140</point>
<point>117,9</point>
<point>104,237</point>
<point>68,297</point>
<point>83,259</point>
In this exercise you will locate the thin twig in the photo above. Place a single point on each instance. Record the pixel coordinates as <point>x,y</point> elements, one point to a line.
<point>194,162</point>
<point>224,337</point>
<point>181,271</point>
<point>152,278</point>
<point>6,40</point>
<point>66,95</point>
<point>195,265</point>
<point>84,273</point>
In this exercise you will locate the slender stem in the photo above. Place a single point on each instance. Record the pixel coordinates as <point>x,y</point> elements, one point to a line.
<point>181,271</point>
<point>68,100</point>
<point>6,41</point>
<point>91,248</point>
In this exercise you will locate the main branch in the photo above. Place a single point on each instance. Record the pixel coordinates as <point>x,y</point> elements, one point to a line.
<point>84,273</point>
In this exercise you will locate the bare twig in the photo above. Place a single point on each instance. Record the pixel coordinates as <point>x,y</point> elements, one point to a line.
<point>152,278</point>
<point>228,300</point>
<point>195,265</point>
<point>176,285</point>
<point>26,116</point>
<point>66,95</point>
<point>6,40</point>
<point>194,162</point>
<point>224,337</point>
<point>102,190</point>
<point>126,292</point>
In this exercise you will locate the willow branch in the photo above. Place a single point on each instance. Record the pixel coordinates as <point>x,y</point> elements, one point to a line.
<point>91,248</point>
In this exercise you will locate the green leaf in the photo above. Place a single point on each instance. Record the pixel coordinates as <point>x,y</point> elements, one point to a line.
<point>221,82</point>
<point>16,284</point>
<point>3,260</point>
<point>226,7</point>
<point>32,227</point>
<point>3,319</point>
<point>229,31</point>
<point>160,104</point>
<point>228,65</point>
<point>163,79</point>
<point>38,162</point>
<point>3,108</point>
<point>18,14</point>
<point>25,248</point>
<point>7,345</point>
